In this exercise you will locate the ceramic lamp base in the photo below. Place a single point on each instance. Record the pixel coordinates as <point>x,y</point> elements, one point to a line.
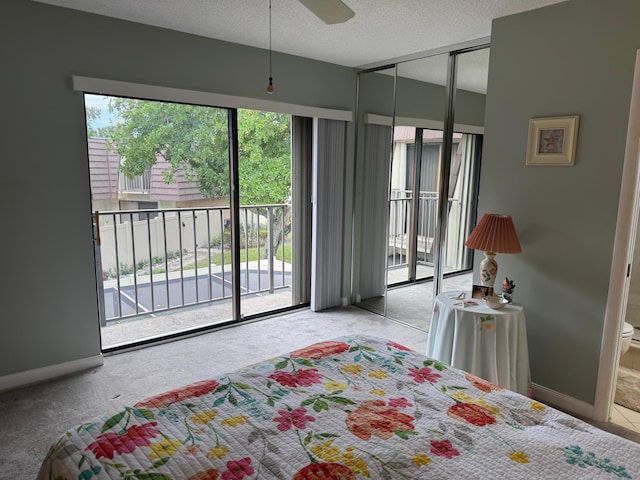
<point>488,269</point>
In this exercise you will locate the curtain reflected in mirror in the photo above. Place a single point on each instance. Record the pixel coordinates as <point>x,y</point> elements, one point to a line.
<point>376,96</point>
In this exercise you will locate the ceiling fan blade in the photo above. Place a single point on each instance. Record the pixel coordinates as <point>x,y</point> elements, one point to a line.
<point>329,11</point>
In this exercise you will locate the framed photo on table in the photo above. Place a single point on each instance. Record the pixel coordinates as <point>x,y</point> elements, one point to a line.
<point>552,141</point>
<point>481,291</point>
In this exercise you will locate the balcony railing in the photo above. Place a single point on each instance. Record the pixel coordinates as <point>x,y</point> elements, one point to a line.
<point>182,257</point>
<point>399,228</point>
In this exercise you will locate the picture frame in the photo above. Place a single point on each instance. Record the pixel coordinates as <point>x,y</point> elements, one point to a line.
<point>481,291</point>
<point>552,141</point>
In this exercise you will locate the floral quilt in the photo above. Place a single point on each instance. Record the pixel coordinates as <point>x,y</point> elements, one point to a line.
<point>350,408</point>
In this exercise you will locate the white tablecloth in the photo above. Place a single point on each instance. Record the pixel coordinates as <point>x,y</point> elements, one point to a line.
<point>491,344</point>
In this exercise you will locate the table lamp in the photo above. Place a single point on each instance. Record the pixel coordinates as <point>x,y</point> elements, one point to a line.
<point>494,233</point>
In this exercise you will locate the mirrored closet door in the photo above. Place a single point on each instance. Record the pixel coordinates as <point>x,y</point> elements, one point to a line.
<point>433,153</point>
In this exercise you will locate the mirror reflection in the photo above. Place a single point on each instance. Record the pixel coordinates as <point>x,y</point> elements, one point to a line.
<point>408,107</point>
<point>374,139</point>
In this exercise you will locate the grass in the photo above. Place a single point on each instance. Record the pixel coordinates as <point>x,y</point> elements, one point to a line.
<point>246,255</point>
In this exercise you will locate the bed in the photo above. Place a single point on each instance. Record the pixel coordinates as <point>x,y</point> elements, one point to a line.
<point>351,408</point>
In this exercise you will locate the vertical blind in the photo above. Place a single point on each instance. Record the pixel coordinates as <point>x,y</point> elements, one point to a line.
<point>328,192</point>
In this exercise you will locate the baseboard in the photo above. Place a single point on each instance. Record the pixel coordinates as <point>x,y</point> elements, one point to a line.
<point>561,401</point>
<point>22,379</point>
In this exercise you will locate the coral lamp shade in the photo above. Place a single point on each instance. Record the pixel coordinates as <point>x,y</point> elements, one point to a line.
<point>494,233</point>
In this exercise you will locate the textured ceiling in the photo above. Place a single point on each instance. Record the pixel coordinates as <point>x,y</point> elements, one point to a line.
<point>379,31</point>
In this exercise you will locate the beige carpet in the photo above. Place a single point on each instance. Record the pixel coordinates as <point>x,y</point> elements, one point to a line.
<point>32,417</point>
<point>628,388</point>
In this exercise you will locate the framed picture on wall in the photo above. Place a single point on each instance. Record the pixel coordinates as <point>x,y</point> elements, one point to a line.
<point>552,141</point>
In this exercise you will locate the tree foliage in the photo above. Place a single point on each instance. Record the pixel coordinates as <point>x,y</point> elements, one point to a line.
<point>92,114</point>
<point>194,141</point>
<point>264,151</point>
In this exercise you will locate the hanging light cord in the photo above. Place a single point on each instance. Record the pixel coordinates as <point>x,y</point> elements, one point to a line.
<point>270,86</point>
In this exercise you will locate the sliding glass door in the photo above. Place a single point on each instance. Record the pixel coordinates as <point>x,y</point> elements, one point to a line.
<point>178,246</point>
<point>265,222</point>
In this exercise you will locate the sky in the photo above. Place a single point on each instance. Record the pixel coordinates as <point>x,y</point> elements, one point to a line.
<point>102,103</point>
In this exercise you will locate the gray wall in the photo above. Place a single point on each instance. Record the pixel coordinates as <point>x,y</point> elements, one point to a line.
<point>571,58</point>
<point>49,312</point>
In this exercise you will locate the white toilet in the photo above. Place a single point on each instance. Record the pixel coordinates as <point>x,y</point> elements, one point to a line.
<point>627,335</point>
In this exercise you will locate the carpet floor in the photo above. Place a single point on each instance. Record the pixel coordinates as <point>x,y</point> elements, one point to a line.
<point>32,417</point>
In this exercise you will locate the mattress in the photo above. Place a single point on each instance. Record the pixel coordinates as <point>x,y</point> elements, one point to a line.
<point>353,407</point>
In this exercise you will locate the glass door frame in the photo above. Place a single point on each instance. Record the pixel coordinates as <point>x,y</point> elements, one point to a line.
<point>234,207</point>
<point>234,314</point>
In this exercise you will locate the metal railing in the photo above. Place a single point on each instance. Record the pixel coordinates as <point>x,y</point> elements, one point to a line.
<point>399,219</point>
<point>182,257</point>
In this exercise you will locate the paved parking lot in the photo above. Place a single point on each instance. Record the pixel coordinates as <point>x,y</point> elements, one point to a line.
<point>144,296</point>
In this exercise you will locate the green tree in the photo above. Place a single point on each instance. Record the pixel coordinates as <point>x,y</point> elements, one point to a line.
<point>264,151</point>
<point>194,140</point>
<point>264,165</point>
<point>191,139</point>
<point>92,114</point>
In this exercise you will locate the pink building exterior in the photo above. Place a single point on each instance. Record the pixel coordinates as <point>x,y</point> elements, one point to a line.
<point>107,182</point>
